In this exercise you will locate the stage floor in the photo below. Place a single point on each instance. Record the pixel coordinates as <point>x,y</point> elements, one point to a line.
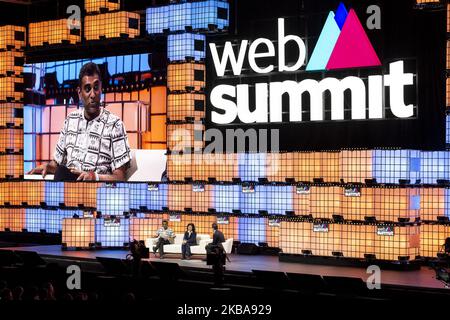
<point>423,278</point>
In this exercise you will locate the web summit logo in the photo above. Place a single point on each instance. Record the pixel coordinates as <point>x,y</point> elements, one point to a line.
<point>342,44</point>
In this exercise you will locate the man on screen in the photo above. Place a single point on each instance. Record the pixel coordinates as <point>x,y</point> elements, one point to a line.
<point>93,143</point>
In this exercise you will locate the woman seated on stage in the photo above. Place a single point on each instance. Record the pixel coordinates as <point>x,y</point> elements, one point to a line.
<point>189,239</point>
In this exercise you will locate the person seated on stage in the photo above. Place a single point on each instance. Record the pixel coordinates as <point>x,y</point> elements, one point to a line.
<point>189,239</point>
<point>93,143</point>
<point>165,235</point>
<point>218,239</point>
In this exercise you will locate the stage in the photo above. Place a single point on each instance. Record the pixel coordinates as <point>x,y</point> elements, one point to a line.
<point>423,279</point>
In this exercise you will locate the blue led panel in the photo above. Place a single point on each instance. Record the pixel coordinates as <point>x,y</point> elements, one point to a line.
<point>54,218</point>
<point>434,166</point>
<point>180,16</point>
<point>252,166</point>
<point>157,19</point>
<point>113,199</point>
<point>112,235</point>
<point>212,12</point>
<point>54,193</point>
<point>281,199</point>
<point>186,45</point>
<point>226,198</point>
<point>391,165</point>
<point>251,202</point>
<point>252,230</point>
<point>153,196</point>
<point>34,219</point>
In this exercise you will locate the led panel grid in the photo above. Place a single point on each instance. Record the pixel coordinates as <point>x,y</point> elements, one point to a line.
<point>389,166</point>
<point>272,235</point>
<point>404,243</point>
<point>13,219</point>
<point>222,167</point>
<point>325,243</point>
<point>180,197</point>
<point>252,166</point>
<point>448,91</point>
<point>353,240</point>
<point>52,32</point>
<point>181,137</point>
<point>279,166</point>
<point>210,13</point>
<point>301,201</point>
<point>447,202</point>
<point>432,203</point>
<point>81,193</point>
<point>54,193</point>
<point>11,89</point>
<point>295,237</point>
<point>11,114</point>
<point>281,199</point>
<point>97,5</point>
<point>185,105</point>
<point>202,224</point>
<point>54,218</point>
<point>179,166</point>
<point>230,230</point>
<point>447,129</point>
<point>448,17</point>
<point>357,208</point>
<point>253,202</point>
<point>12,37</point>
<point>356,165</point>
<point>357,240</point>
<point>186,46</point>
<point>11,139</point>
<point>144,228</point>
<point>78,233</point>
<point>112,236</point>
<point>394,203</point>
<point>50,220</point>
<point>202,197</point>
<point>448,54</point>
<point>432,239</point>
<point>226,198</point>
<point>306,166</point>
<point>11,166</point>
<point>434,166</point>
<point>35,219</point>
<point>112,25</point>
<point>180,16</point>
<point>20,192</point>
<point>426,1</point>
<point>29,192</point>
<point>189,76</point>
<point>157,19</point>
<point>252,230</point>
<point>141,194</point>
<point>325,201</point>
<point>303,166</point>
<point>11,62</point>
<point>113,199</point>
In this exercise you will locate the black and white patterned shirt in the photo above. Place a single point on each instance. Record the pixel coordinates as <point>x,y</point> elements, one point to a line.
<point>99,145</point>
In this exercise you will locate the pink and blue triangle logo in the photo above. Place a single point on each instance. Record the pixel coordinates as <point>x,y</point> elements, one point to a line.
<point>342,44</point>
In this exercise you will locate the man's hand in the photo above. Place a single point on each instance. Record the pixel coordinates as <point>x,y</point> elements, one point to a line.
<point>84,175</point>
<point>44,169</point>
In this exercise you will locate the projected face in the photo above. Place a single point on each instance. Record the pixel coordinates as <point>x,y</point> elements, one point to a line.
<point>90,93</point>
